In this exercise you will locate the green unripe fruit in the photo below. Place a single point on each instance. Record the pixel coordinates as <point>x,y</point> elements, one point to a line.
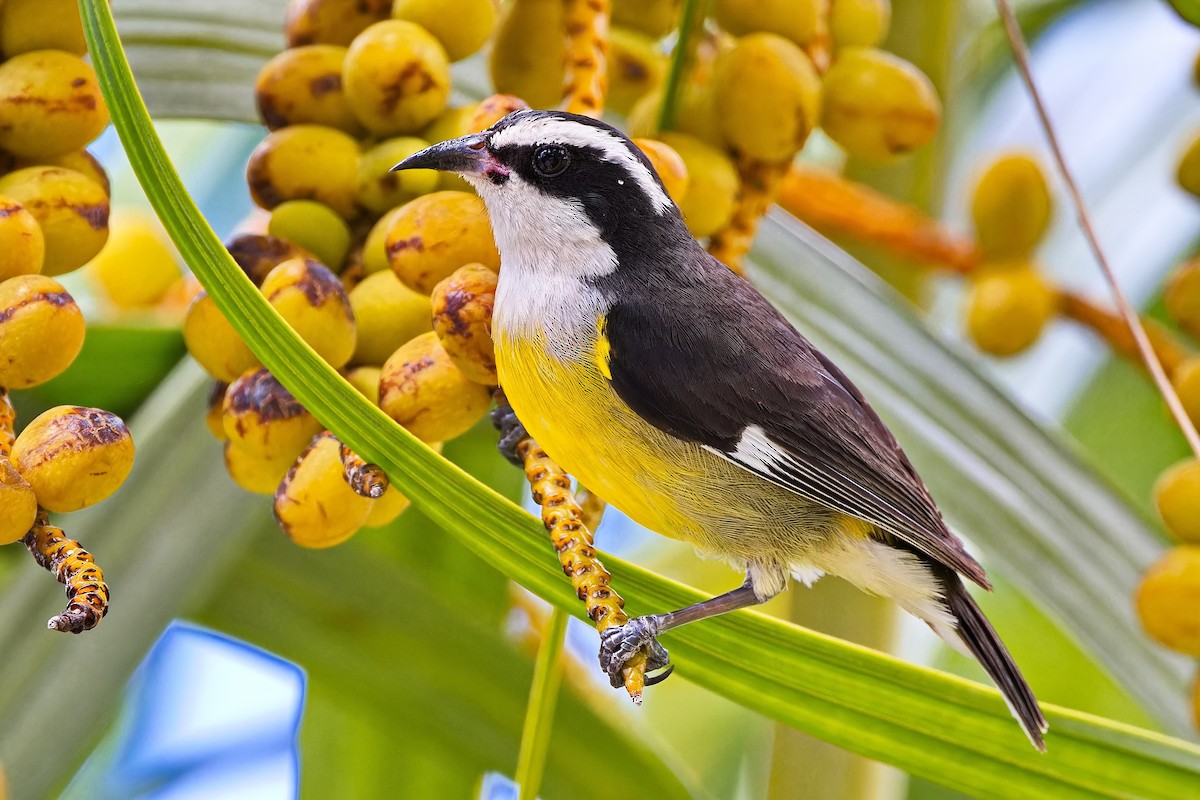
<point>380,189</point>
<point>313,226</point>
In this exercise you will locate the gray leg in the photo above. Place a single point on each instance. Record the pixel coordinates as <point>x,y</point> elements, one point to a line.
<point>618,645</point>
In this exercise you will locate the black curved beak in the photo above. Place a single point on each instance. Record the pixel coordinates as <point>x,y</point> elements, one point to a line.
<point>466,155</point>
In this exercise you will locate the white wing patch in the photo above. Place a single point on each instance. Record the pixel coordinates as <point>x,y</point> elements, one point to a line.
<point>557,130</point>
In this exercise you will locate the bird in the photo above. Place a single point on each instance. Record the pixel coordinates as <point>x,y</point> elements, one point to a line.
<point>670,387</point>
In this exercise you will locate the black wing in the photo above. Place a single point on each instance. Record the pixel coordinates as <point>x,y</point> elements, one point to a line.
<point>730,373</point>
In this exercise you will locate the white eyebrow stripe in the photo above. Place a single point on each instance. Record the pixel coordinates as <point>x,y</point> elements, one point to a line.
<point>556,130</point>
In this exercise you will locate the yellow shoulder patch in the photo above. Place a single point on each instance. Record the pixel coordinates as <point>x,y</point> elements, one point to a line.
<point>602,349</point>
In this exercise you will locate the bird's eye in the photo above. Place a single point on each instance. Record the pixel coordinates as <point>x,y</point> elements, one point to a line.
<point>550,161</point>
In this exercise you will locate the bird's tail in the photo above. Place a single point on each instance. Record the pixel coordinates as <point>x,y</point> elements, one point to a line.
<point>982,641</point>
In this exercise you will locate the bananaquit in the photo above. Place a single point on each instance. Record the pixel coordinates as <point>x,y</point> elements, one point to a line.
<point>671,388</point>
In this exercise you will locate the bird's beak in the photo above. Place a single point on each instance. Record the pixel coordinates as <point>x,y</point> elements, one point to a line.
<point>466,155</point>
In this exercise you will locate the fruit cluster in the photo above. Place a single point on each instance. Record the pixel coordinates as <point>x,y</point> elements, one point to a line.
<point>53,219</point>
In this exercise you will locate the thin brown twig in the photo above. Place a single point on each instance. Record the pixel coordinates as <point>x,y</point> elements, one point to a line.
<point>1021,56</point>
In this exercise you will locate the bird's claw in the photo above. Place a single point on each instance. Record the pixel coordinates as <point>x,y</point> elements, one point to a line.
<point>504,419</point>
<point>618,645</point>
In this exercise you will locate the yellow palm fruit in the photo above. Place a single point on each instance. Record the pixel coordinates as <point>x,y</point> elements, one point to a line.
<point>493,109</point>
<point>213,342</point>
<point>18,503</point>
<point>257,472</point>
<point>436,234</point>
<point>314,227</point>
<point>41,330</point>
<point>70,208</point>
<point>314,505</point>
<point>861,23</point>
<point>213,417</point>
<point>81,161</point>
<point>1010,207</point>
<point>397,78</point>
<point>380,189</point>
<point>462,319</point>
<point>424,391</point>
<point>462,26</point>
<point>1008,308</point>
<point>668,164</point>
<point>528,51</point>
<point>636,67</point>
<point>260,415</point>
<point>27,25</point>
<point>1188,172</point>
<point>374,251</point>
<point>304,85</point>
<point>877,105</point>
<point>388,314</point>
<point>138,265</point>
<point>695,114</point>
<point>313,301</point>
<point>795,20</point>
<point>654,18</point>
<point>305,162</point>
<point>331,21</point>
<point>712,184</point>
<point>1177,497</point>
<point>22,245</point>
<point>1186,379</point>
<point>259,253</point>
<point>1182,296</point>
<point>365,380</point>
<point>74,457</point>
<point>1167,599</point>
<point>768,97</point>
<point>50,104</point>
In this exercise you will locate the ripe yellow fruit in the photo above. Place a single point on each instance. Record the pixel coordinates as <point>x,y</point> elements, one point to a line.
<point>70,208</point>
<point>462,26</point>
<point>387,508</point>
<point>877,105</point>
<point>50,104</point>
<point>313,227</point>
<point>365,380</point>
<point>22,245</point>
<point>436,234</point>
<point>313,301</point>
<point>462,319</point>
<point>1010,207</point>
<point>331,21</point>
<point>493,109</point>
<point>1186,379</point>
<point>213,342</point>
<point>41,330</point>
<point>380,189</point>
<point>424,391</point>
<point>374,251</point>
<point>654,18</point>
<point>768,97</point>
<point>1168,597</point>
<point>27,25</point>
<point>259,253</point>
<point>212,410</point>
<point>862,23</point>
<point>304,85</point>
<point>314,505</point>
<point>1008,308</point>
<point>668,164</point>
<point>712,184</point>
<point>636,67</point>
<point>260,473</point>
<point>1188,172</point>
<point>396,78</point>
<point>1177,497</point>
<point>305,162</point>
<point>527,59</point>
<point>1182,296</point>
<point>388,314</point>
<point>74,457</point>
<point>18,503</point>
<point>258,414</point>
<point>794,19</point>
<point>138,265</point>
<point>81,161</point>
<point>695,114</point>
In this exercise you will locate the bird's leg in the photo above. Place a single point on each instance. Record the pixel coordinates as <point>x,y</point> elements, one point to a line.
<point>619,644</point>
<point>512,432</point>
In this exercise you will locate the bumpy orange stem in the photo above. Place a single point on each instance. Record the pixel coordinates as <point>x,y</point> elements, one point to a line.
<point>87,593</point>
<point>8,419</point>
<point>760,184</point>
<point>587,56</point>
<point>820,47</point>
<point>365,479</point>
<point>564,519</point>
<point>1110,325</point>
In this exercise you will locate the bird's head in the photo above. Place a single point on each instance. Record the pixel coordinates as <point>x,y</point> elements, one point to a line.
<point>553,180</point>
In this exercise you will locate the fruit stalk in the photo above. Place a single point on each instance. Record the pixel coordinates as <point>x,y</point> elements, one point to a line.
<point>1112,327</point>
<point>8,419</point>
<point>587,56</point>
<point>367,480</point>
<point>759,186</point>
<point>87,593</point>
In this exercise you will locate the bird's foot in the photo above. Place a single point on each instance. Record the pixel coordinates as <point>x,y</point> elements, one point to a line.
<point>618,645</point>
<point>504,419</point>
